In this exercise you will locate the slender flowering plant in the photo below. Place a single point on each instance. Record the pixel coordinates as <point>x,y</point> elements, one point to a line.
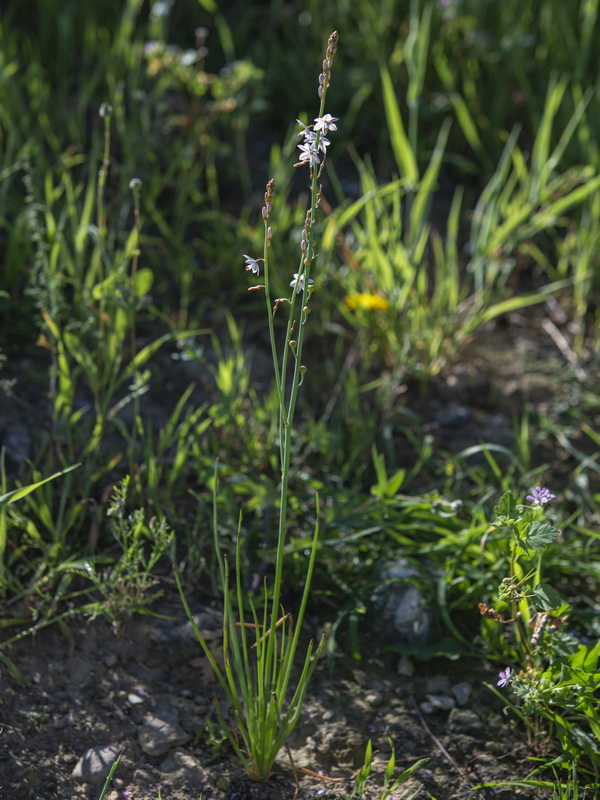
<point>524,604</point>
<point>260,649</point>
<point>554,680</point>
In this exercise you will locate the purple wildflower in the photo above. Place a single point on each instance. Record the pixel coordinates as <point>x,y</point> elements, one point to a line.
<point>540,496</point>
<point>505,677</point>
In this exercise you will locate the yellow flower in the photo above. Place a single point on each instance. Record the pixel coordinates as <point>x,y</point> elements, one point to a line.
<point>369,302</point>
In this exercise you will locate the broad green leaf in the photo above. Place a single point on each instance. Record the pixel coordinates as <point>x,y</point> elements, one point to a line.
<point>546,598</point>
<point>586,658</point>
<point>540,535</point>
<point>506,510</point>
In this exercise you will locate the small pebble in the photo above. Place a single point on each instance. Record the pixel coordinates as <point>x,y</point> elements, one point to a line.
<point>374,698</point>
<point>360,676</point>
<point>135,699</point>
<point>161,731</point>
<point>441,702</point>
<point>462,692</point>
<point>462,720</point>
<point>437,683</point>
<point>405,667</point>
<point>110,660</point>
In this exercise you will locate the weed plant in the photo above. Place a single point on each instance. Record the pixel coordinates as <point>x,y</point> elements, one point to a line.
<point>556,679</point>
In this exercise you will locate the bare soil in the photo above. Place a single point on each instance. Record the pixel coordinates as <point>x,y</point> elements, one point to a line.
<point>90,688</point>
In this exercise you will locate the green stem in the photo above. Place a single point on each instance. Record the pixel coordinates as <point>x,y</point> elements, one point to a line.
<point>286,420</point>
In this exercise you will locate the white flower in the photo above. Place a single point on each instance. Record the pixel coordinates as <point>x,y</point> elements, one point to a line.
<point>298,282</point>
<point>252,264</point>
<point>307,132</point>
<point>308,153</point>
<point>326,123</point>
<point>324,143</point>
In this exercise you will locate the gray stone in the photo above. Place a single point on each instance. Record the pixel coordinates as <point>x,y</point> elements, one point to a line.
<point>462,720</point>
<point>80,672</point>
<point>437,684</point>
<point>404,603</point>
<point>462,692</point>
<point>441,702</point>
<point>161,731</point>
<point>189,765</point>
<point>360,676</point>
<point>94,765</point>
<point>405,667</point>
<point>374,698</point>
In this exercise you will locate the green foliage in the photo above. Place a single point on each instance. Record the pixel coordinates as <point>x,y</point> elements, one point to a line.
<point>558,677</point>
<point>390,783</point>
<point>466,194</point>
<point>129,585</point>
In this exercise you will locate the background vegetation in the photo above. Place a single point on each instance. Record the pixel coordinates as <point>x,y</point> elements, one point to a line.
<point>460,229</point>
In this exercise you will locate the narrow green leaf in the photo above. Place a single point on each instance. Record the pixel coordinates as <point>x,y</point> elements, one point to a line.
<point>148,351</point>
<point>405,158</point>
<point>408,772</point>
<point>13,669</point>
<point>428,186</point>
<point>23,491</point>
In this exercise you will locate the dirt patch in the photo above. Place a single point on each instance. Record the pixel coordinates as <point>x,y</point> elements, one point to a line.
<point>148,695</point>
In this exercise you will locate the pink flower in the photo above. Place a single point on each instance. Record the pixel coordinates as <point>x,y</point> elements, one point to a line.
<point>539,496</point>
<point>505,677</point>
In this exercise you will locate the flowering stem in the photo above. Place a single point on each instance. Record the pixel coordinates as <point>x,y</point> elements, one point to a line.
<point>286,419</point>
<point>257,689</point>
<point>266,212</point>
